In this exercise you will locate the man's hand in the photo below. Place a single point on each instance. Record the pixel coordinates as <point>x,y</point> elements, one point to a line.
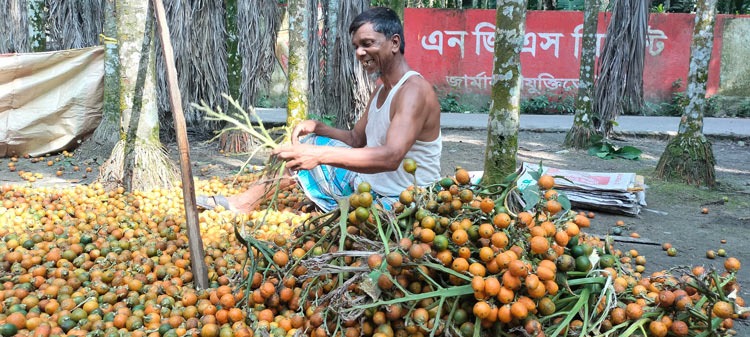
<point>303,128</point>
<point>299,156</point>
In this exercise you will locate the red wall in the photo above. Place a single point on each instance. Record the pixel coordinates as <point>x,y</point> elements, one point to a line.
<point>454,49</point>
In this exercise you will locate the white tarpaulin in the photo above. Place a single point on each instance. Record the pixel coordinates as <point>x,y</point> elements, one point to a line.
<point>50,100</point>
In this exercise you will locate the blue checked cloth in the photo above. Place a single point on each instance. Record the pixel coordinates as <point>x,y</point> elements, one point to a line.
<point>326,184</point>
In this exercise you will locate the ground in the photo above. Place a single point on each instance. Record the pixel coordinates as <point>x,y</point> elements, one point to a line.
<point>673,213</point>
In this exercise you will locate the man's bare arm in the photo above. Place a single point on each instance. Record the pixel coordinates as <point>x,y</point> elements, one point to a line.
<point>354,138</point>
<point>411,110</point>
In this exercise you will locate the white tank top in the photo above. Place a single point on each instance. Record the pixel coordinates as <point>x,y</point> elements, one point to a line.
<point>426,154</point>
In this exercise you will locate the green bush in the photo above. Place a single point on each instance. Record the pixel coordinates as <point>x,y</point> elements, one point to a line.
<point>548,105</point>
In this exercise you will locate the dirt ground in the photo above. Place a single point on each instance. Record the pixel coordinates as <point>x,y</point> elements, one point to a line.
<point>673,213</point>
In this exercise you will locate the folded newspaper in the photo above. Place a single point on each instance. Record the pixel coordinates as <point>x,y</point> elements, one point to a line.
<point>618,193</point>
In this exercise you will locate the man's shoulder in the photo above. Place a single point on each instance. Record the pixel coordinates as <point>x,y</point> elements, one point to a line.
<point>418,82</point>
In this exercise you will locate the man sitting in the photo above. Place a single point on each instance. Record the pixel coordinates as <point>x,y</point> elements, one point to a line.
<point>402,120</point>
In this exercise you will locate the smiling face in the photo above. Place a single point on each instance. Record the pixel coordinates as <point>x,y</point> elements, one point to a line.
<point>374,50</point>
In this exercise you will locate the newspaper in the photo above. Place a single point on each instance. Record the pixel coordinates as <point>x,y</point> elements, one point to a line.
<point>618,193</point>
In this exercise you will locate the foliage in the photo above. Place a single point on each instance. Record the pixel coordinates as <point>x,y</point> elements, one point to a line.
<point>604,149</point>
<point>450,103</point>
<point>659,9</point>
<point>657,6</point>
<point>544,104</point>
<point>548,105</point>
<point>570,5</point>
<point>466,103</point>
<point>716,105</point>
<point>744,110</point>
<point>271,101</point>
<point>326,119</point>
<point>688,6</point>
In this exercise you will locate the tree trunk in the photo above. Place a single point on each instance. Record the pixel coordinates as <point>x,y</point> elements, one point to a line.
<point>502,127</point>
<point>331,36</point>
<point>549,5</point>
<point>619,86</point>
<point>234,141</point>
<point>14,26</point>
<point>138,161</point>
<point>297,69</point>
<point>234,61</point>
<point>579,135</point>
<point>689,157</point>
<point>103,140</point>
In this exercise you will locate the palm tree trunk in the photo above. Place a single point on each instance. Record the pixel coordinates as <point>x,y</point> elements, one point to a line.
<point>138,161</point>
<point>233,141</point>
<point>15,27</point>
<point>502,127</point>
<point>103,140</point>
<point>579,135</point>
<point>688,156</point>
<point>298,66</point>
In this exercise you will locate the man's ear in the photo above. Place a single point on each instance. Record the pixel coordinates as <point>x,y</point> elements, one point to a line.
<point>396,39</point>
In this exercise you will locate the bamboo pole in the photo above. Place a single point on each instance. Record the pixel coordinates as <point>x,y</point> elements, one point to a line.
<point>197,261</point>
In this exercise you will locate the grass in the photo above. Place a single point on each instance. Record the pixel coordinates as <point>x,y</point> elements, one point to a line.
<point>726,195</point>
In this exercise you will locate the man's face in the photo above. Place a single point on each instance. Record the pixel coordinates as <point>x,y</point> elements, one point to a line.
<point>372,49</point>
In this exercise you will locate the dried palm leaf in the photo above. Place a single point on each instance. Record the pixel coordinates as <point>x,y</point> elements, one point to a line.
<point>74,24</point>
<point>200,58</point>
<point>348,87</point>
<point>619,87</point>
<point>258,25</point>
<point>180,21</point>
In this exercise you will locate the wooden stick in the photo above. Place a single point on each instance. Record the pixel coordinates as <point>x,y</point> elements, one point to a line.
<point>195,243</point>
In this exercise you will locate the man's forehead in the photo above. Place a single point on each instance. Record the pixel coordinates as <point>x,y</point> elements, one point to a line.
<point>366,31</point>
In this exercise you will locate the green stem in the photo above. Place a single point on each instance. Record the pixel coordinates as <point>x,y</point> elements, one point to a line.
<point>638,324</point>
<point>719,286</point>
<point>383,237</point>
<point>343,207</point>
<point>585,319</point>
<point>436,325</point>
<point>588,280</point>
<point>581,301</point>
<point>442,268</point>
<point>452,292</point>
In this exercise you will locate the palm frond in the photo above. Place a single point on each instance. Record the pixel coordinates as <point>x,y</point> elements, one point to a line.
<point>349,87</point>
<point>74,24</point>
<point>258,24</point>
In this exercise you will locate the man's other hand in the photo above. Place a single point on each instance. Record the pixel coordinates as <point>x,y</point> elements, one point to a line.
<point>299,156</point>
<point>303,128</point>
